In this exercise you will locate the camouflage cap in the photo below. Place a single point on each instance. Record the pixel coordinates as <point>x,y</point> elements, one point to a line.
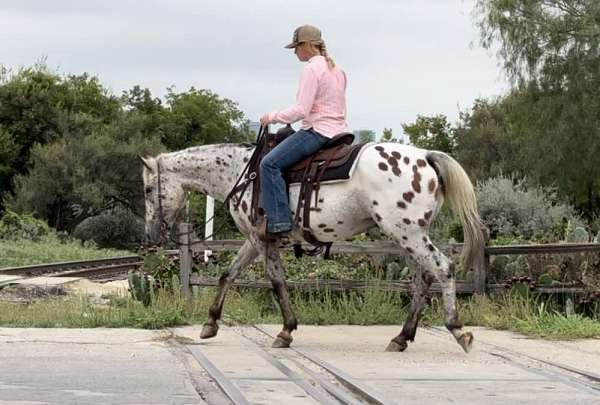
<point>305,33</point>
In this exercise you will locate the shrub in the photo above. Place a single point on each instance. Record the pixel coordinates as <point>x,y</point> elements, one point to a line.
<point>509,208</point>
<point>14,226</point>
<point>118,228</point>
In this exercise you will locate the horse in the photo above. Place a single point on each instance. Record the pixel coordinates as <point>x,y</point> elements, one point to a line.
<point>399,188</point>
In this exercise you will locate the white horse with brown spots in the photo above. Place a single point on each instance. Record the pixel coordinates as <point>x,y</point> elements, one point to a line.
<point>397,187</point>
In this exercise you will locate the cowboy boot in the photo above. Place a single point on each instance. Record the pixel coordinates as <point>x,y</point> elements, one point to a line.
<point>261,231</point>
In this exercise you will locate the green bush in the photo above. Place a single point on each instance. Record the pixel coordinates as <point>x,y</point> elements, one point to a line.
<point>118,228</point>
<point>161,267</point>
<point>14,226</point>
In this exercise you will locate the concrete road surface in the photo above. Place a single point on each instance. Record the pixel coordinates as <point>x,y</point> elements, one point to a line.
<point>125,366</point>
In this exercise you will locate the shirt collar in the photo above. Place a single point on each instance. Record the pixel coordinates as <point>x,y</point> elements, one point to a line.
<point>315,58</point>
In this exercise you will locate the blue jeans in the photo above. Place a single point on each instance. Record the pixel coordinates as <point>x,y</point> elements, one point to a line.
<point>273,189</point>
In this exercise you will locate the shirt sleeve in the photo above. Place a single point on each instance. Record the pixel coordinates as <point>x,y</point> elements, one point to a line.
<point>304,100</point>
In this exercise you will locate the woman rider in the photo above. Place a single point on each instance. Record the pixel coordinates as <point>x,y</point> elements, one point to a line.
<point>321,105</point>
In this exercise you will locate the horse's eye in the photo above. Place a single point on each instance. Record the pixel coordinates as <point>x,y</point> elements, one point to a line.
<point>148,190</point>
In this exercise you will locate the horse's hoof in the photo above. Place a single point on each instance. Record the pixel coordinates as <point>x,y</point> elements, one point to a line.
<point>283,341</point>
<point>466,341</point>
<point>209,330</point>
<point>396,347</point>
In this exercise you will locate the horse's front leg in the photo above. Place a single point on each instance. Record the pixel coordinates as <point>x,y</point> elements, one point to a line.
<point>245,256</point>
<point>275,270</point>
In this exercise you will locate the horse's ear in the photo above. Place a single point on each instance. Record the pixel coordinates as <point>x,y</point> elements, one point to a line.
<point>145,163</point>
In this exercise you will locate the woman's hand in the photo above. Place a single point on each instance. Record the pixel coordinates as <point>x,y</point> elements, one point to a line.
<point>265,120</point>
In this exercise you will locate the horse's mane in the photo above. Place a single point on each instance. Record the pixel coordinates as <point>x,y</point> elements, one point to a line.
<point>246,145</point>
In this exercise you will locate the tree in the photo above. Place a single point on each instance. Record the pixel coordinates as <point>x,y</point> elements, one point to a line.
<point>68,146</point>
<point>388,136</point>
<point>141,100</point>
<point>199,117</point>
<point>434,133</point>
<point>548,40</point>
<point>33,101</point>
<point>551,51</point>
<point>83,174</point>
<point>485,140</point>
<point>364,136</point>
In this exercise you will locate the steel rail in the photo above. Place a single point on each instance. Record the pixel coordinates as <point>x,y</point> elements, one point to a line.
<point>45,268</point>
<point>565,378</point>
<point>232,392</point>
<point>99,271</point>
<point>291,374</point>
<point>337,392</point>
<point>348,381</point>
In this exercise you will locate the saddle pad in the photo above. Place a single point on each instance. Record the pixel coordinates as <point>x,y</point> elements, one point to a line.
<point>343,172</point>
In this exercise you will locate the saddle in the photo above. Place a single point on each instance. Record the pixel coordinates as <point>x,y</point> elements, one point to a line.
<point>332,162</point>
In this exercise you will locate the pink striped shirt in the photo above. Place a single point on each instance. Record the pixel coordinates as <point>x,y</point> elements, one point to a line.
<point>320,101</point>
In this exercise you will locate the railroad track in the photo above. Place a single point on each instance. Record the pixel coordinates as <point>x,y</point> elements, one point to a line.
<point>301,377</point>
<point>255,373</point>
<point>581,380</point>
<point>95,269</point>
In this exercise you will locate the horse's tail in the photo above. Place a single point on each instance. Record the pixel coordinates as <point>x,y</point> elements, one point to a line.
<point>459,192</point>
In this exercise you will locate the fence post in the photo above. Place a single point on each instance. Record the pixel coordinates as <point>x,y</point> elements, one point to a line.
<point>185,258</point>
<point>481,265</point>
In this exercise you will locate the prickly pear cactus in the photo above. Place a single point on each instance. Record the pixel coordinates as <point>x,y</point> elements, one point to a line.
<point>519,290</point>
<point>140,286</point>
<point>545,279</point>
<point>579,235</point>
<point>520,286</point>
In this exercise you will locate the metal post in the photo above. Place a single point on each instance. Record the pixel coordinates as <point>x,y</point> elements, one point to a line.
<point>185,258</point>
<point>208,228</point>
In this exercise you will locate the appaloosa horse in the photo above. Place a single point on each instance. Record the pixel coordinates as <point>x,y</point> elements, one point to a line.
<point>397,187</point>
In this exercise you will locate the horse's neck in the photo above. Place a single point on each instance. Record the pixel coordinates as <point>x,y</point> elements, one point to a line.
<point>209,169</point>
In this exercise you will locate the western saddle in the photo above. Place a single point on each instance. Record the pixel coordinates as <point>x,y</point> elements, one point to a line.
<point>332,162</point>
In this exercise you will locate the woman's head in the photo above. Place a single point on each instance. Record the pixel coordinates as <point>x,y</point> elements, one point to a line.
<point>307,42</point>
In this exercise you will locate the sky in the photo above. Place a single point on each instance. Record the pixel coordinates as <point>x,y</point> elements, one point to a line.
<point>402,57</point>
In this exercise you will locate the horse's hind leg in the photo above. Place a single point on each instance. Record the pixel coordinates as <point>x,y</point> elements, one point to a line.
<point>275,271</point>
<point>415,241</point>
<point>246,255</point>
<point>443,269</point>
<point>446,278</point>
<point>421,282</point>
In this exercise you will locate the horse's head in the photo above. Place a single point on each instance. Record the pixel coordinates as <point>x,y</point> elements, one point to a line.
<point>164,199</point>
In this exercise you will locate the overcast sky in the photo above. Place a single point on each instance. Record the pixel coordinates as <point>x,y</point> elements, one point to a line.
<point>402,57</point>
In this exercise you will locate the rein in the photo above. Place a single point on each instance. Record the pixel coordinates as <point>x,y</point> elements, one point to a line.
<point>250,177</point>
<point>240,185</point>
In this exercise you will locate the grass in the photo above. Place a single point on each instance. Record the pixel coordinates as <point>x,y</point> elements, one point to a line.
<point>50,249</point>
<point>373,307</point>
<point>533,317</point>
<point>317,308</point>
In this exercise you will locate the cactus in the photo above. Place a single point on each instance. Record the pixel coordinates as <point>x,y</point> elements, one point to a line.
<point>544,279</point>
<point>578,235</point>
<point>140,286</point>
<point>393,271</point>
<point>569,307</point>
<point>405,273</point>
<point>554,271</point>
<point>520,289</point>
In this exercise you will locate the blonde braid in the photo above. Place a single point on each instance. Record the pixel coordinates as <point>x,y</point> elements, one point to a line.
<point>323,50</point>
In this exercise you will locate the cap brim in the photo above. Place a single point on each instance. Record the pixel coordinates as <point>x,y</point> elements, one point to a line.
<point>292,45</point>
